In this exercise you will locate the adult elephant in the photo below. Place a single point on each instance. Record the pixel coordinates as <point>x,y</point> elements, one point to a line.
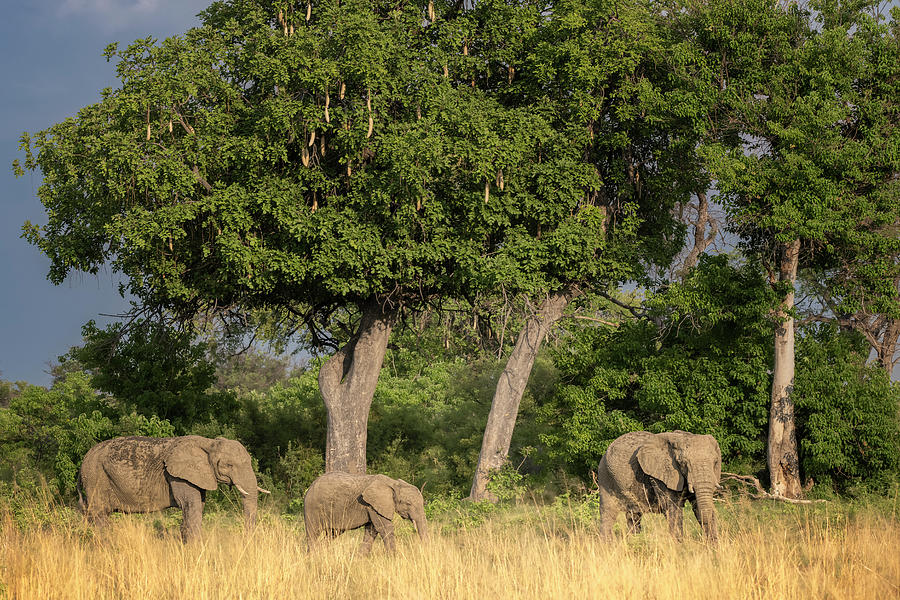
<point>339,502</point>
<point>142,474</point>
<point>644,472</point>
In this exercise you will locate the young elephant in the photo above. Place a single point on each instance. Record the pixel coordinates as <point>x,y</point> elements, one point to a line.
<point>142,474</point>
<point>645,472</point>
<point>338,502</point>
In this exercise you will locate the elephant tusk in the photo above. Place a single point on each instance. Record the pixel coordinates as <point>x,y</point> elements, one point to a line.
<point>264,491</point>
<point>241,490</point>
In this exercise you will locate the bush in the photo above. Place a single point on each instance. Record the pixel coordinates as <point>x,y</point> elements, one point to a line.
<point>428,429</point>
<point>288,418</point>
<point>44,433</point>
<point>698,363</point>
<point>847,420</point>
<point>155,371</point>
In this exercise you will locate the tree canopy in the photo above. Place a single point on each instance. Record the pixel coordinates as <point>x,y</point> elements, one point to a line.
<point>341,164</point>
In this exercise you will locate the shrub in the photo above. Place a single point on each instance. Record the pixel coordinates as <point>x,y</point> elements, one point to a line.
<point>44,433</point>
<point>847,419</point>
<point>698,363</point>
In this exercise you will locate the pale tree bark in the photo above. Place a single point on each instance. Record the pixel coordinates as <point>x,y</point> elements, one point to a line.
<point>887,345</point>
<point>347,381</point>
<point>783,460</point>
<point>510,388</point>
<point>705,231</point>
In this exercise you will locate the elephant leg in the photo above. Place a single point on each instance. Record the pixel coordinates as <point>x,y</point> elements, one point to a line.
<point>368,539</point>
<point>675,516</point>
<point>385,528</point>
<point>315,536</point>
<point>609,510</point>
<point>190,500</point>
<point>97,518</point>
<point>633,519</point>
<point>312,538</point>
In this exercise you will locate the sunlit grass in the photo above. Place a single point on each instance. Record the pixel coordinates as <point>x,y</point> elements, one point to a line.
<point>766,551</point>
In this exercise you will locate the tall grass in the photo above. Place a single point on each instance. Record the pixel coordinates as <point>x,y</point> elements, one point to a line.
<point>765,551</point>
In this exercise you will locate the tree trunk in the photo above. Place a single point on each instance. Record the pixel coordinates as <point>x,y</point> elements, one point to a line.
<point>784,464</point>
<point>347,381</point>
<point>510,388</point>
<point>705,231</point>
<point>887,346</point>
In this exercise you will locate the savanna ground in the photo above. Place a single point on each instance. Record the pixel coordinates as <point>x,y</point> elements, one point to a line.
<point>767,550</point>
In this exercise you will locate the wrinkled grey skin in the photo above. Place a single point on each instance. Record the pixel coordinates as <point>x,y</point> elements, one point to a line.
<point>644,472</point>
<point>338,502</point>
<point>142,474</point>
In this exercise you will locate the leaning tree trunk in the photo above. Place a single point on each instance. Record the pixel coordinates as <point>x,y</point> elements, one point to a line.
<point>347,381</point>
<point>784,464</point>
<point>510,388</point>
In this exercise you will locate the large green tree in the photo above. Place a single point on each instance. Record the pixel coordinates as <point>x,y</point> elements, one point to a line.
<point>341,163</point>
<point>808,163</point>
<point>315,160</point>
<point>596,202</point>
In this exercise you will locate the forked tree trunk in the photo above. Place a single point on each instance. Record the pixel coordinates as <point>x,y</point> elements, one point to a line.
<point>347,381</point>
<point>705,231</point>
<point>784,464</point>
<point>510,388</point>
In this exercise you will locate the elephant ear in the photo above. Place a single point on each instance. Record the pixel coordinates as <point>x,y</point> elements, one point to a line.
<point>190,462</point>
<point>379,494</point>
<point>656,460</point>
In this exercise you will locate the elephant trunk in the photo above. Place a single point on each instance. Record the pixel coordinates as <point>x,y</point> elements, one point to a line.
<point>250,511</point>
<point>706,512</point>
<point>249,491</point>
<point>421,525</point>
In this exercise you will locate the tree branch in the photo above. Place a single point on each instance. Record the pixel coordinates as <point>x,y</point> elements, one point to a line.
<point>634,310</point>
<point>595,319</point>
<point>762,494</point>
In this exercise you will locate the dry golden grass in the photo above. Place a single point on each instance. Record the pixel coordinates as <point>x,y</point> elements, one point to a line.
<point>766,551</point>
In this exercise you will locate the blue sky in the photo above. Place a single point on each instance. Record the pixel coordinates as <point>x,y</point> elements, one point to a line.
<point>52,65</point>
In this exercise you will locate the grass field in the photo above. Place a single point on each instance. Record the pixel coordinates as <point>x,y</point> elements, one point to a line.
<point>767,550</point>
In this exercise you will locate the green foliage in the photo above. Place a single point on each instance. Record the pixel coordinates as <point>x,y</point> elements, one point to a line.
<point>847,416</point>
<point>296,468</point>
<point>155,371</point>
<point>507,483</point>
<point>45,433</point>
<point>284,427</point>
<point>428,429</point>
<point>265,162</point>
<point>7,392</point>
<point>809,146</point>
<point>453,512</point>
<point>698,363</point>
<point>251,370</point>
